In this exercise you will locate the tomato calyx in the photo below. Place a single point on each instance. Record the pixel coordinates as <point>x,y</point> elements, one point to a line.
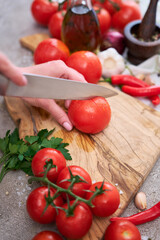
<point>50,200</point>
<point>49,164</point>
<point>68,191</point>
<point>115,5</point>
<point>74,179</point>
<point>100,190</point>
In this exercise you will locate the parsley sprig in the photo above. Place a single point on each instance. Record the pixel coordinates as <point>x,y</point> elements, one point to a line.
<point>18,153</point>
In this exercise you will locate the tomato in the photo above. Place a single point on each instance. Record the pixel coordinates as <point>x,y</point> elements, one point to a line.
<point>87,63</point>
<point>104,18</point>
<point>55,24</point>
<point>47,235</point>
<point>39,161</point>
<point>51,49</point>
<point>42,10</point>
<point>36,204</point>
<point>106,203</point>
<point>129,12</point>
<point>76,226</point>
<point>90,116</point>
<point>78,188</point>
<point>122,230</point>
<point>112,6</point>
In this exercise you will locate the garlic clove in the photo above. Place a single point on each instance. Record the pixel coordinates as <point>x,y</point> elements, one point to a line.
<point>141,201</point>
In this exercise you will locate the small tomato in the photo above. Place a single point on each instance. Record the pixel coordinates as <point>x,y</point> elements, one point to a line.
<point>77,225</point>
<point>87,63</point>
<point>51,49</point>
<point>42,156</point>
<point>90,116</point>
<point>47,235</point>
<point>36,204</point>
<point>42,10</point>
<point>55,24</point>
<point>106,203</point>
<point>122,230</point>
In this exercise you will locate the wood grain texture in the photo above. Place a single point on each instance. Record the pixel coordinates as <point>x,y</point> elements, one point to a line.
<point>32,41</point>
<point>123,154</point>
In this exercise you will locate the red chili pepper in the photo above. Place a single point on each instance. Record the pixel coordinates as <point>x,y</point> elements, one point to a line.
<point>134,82</point>
<point>142,217</point>
<point>127,80</point>
<point>141,92</point>
<point>155,100</point>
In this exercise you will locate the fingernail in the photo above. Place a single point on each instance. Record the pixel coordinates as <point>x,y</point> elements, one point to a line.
<point>67,126</point>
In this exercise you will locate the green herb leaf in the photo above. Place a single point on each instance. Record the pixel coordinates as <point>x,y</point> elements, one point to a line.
<point>18,153</point>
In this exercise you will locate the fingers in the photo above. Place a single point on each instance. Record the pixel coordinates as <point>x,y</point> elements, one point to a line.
<point>67,103</point>
<point>54,109</point>
<point>56,69</point>
<point>10,71</point>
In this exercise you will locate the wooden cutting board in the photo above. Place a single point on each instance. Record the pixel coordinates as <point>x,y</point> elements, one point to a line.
<point>123,154</point>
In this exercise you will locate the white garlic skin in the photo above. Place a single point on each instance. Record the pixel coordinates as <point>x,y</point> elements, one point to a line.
<point>141,201</point>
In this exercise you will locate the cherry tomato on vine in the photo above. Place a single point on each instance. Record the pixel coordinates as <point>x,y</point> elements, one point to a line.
<point>36,204</point>
<point>129,12</point>
<point>104,18</point>
<point>51,49</point>
<point>77,225</point>
<point>90,116</point>
<point>106,203</point>
<point>122,230</point>
<point>87,63</point>
<point>39,161</point>
<point>42,10</point>
<point>47,235</point>
<point>55,24</point>
<point>79,187</point>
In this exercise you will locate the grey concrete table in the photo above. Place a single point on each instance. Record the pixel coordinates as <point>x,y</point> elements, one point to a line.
<point>16,21</point>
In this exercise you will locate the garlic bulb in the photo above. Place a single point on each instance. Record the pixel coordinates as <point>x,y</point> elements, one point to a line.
<point>112,62</point>
<point>141,201</point>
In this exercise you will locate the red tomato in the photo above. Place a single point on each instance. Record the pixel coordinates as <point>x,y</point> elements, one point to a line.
<point>90,116</point>
<point>65,4</point>
<point>122,230</point>
<point>55,24</point>
<point>76,226</point>
<point>87,63</point>
<point>106,203</point>
<point>39,161</point>
<point>129,12</point>
<point>36,204</point>
<point>104,18</point>
<point>112,6</point>
<point>47,235</point>
<point>51,49</point>
<point>78,188</point>
<point>42,10</point>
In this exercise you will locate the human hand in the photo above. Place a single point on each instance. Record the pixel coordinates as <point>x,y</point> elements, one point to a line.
<point>54,68</point>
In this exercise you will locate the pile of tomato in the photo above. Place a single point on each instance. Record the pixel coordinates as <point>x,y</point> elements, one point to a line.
<point>72,222</point>
<point>111,14</point>
<point>115,14</point>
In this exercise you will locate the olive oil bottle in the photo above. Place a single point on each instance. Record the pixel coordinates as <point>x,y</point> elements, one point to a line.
<point>80,27</point>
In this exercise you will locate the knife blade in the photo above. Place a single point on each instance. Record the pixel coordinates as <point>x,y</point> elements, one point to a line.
<point>40,86</point>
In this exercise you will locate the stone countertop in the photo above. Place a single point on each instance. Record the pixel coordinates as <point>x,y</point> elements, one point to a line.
<point>15,22</point>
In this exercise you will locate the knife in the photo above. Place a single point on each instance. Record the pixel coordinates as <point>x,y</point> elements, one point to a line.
<point>40,86</point>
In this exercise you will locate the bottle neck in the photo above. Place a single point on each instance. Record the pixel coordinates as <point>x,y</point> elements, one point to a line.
<point>81,2</point>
